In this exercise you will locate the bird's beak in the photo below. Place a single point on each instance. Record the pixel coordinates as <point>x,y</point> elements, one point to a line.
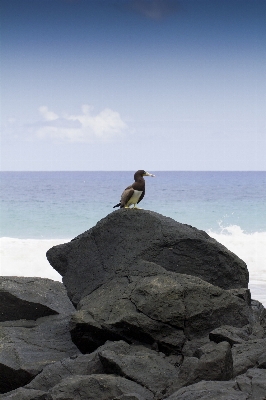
<point>148,174</point>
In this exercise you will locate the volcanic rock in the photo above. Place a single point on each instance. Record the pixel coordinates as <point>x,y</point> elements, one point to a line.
<point>159,305</point>
<point>35,314</point>
<point>165,309</point>
<point>247,355</point>
<point>139,364</point>
<point>86,364</point>
<point>253,382</point>
<point>24,394</point>
<point>211,390</point>
<point>214,362</point>
<point>31,298</point>
<point>115,245</point>
<point>98,386</point>
<point>27,346</point>
<point>230,334</point>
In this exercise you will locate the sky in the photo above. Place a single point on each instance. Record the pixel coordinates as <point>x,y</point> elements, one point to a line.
<point>133,84</point>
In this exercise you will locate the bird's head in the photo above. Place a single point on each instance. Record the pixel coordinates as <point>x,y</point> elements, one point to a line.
<point>143,173</point>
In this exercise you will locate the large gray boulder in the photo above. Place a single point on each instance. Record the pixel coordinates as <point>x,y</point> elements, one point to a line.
<point>34,328</point>
<point>162,310</point>
<point>27,346</point>
<point>118,242</point>
<point>32,298</point>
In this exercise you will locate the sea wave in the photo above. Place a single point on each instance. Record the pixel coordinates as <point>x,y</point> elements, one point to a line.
<point>250,247</point>
<point>27,257</point>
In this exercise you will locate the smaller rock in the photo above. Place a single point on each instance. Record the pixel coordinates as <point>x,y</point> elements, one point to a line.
<point>242,293</point>
<point>230,334</point>
<point>259,315</point>
<point>32,298</point>
<point>191,346</point>
<point>24,394</point>
<point>139,364</point>
<point>52,374</point>
<point>253,382</point>
<point>130,396</point>
<point>210,390</point>
<point>247,354</point>
<point>27,346</point>
<point>98,386</point>
<point>262,361</point>
<point>211,362</point>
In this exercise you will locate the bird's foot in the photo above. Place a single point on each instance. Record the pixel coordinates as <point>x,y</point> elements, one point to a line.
<point>137,208</point>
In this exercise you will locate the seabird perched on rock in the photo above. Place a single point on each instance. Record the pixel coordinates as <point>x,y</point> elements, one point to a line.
<point>134,193</point>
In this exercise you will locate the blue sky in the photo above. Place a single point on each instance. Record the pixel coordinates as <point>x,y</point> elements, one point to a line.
<point>132,84</point>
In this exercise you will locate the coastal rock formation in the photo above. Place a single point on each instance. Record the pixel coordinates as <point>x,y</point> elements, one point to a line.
<point>118,242</point>
<point>38,330</point>
<point>162,312</point>
<point>165,310</point>
<point>102,387</point>
<point>31,298</point>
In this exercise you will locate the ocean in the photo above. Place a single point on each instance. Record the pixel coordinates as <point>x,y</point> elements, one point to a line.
<point>42,209</point>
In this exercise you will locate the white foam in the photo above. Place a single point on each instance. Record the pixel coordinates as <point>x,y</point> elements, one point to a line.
<point>27,257</point>
<point>251,248</point>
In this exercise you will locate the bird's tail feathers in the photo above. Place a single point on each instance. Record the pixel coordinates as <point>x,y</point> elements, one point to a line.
<point>117,205</point>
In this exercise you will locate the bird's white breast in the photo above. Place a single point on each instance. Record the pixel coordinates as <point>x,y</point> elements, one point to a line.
<point>135,197</point>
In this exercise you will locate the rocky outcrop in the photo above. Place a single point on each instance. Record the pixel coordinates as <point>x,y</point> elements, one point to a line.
<point>210,390</point>
<point>37,332</point>
<point>31,298</point>
<point>25,394</point>
<point>162,312</point>
<point>213,362</point>
<point>102,387</point>
<point>118,242</point>
<point>253,382</point>
<point>249,386</point>
<point>130,361</point>
<point>248,354</point>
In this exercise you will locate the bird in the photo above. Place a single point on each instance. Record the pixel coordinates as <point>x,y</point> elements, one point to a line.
<point>134,193</point>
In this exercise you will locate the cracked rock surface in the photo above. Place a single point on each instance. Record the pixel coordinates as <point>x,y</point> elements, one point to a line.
<point>164,310</point>
<point>37,333</point>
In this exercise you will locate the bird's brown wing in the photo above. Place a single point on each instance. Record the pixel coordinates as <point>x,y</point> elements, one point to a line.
<point>142,195</point>
<point>126,195</point>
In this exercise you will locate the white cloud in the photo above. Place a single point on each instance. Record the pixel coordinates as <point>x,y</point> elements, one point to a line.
<point>48,115</point>
<point>84,127</point>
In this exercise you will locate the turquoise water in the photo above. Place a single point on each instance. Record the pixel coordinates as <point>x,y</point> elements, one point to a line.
<point>64,204</point>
